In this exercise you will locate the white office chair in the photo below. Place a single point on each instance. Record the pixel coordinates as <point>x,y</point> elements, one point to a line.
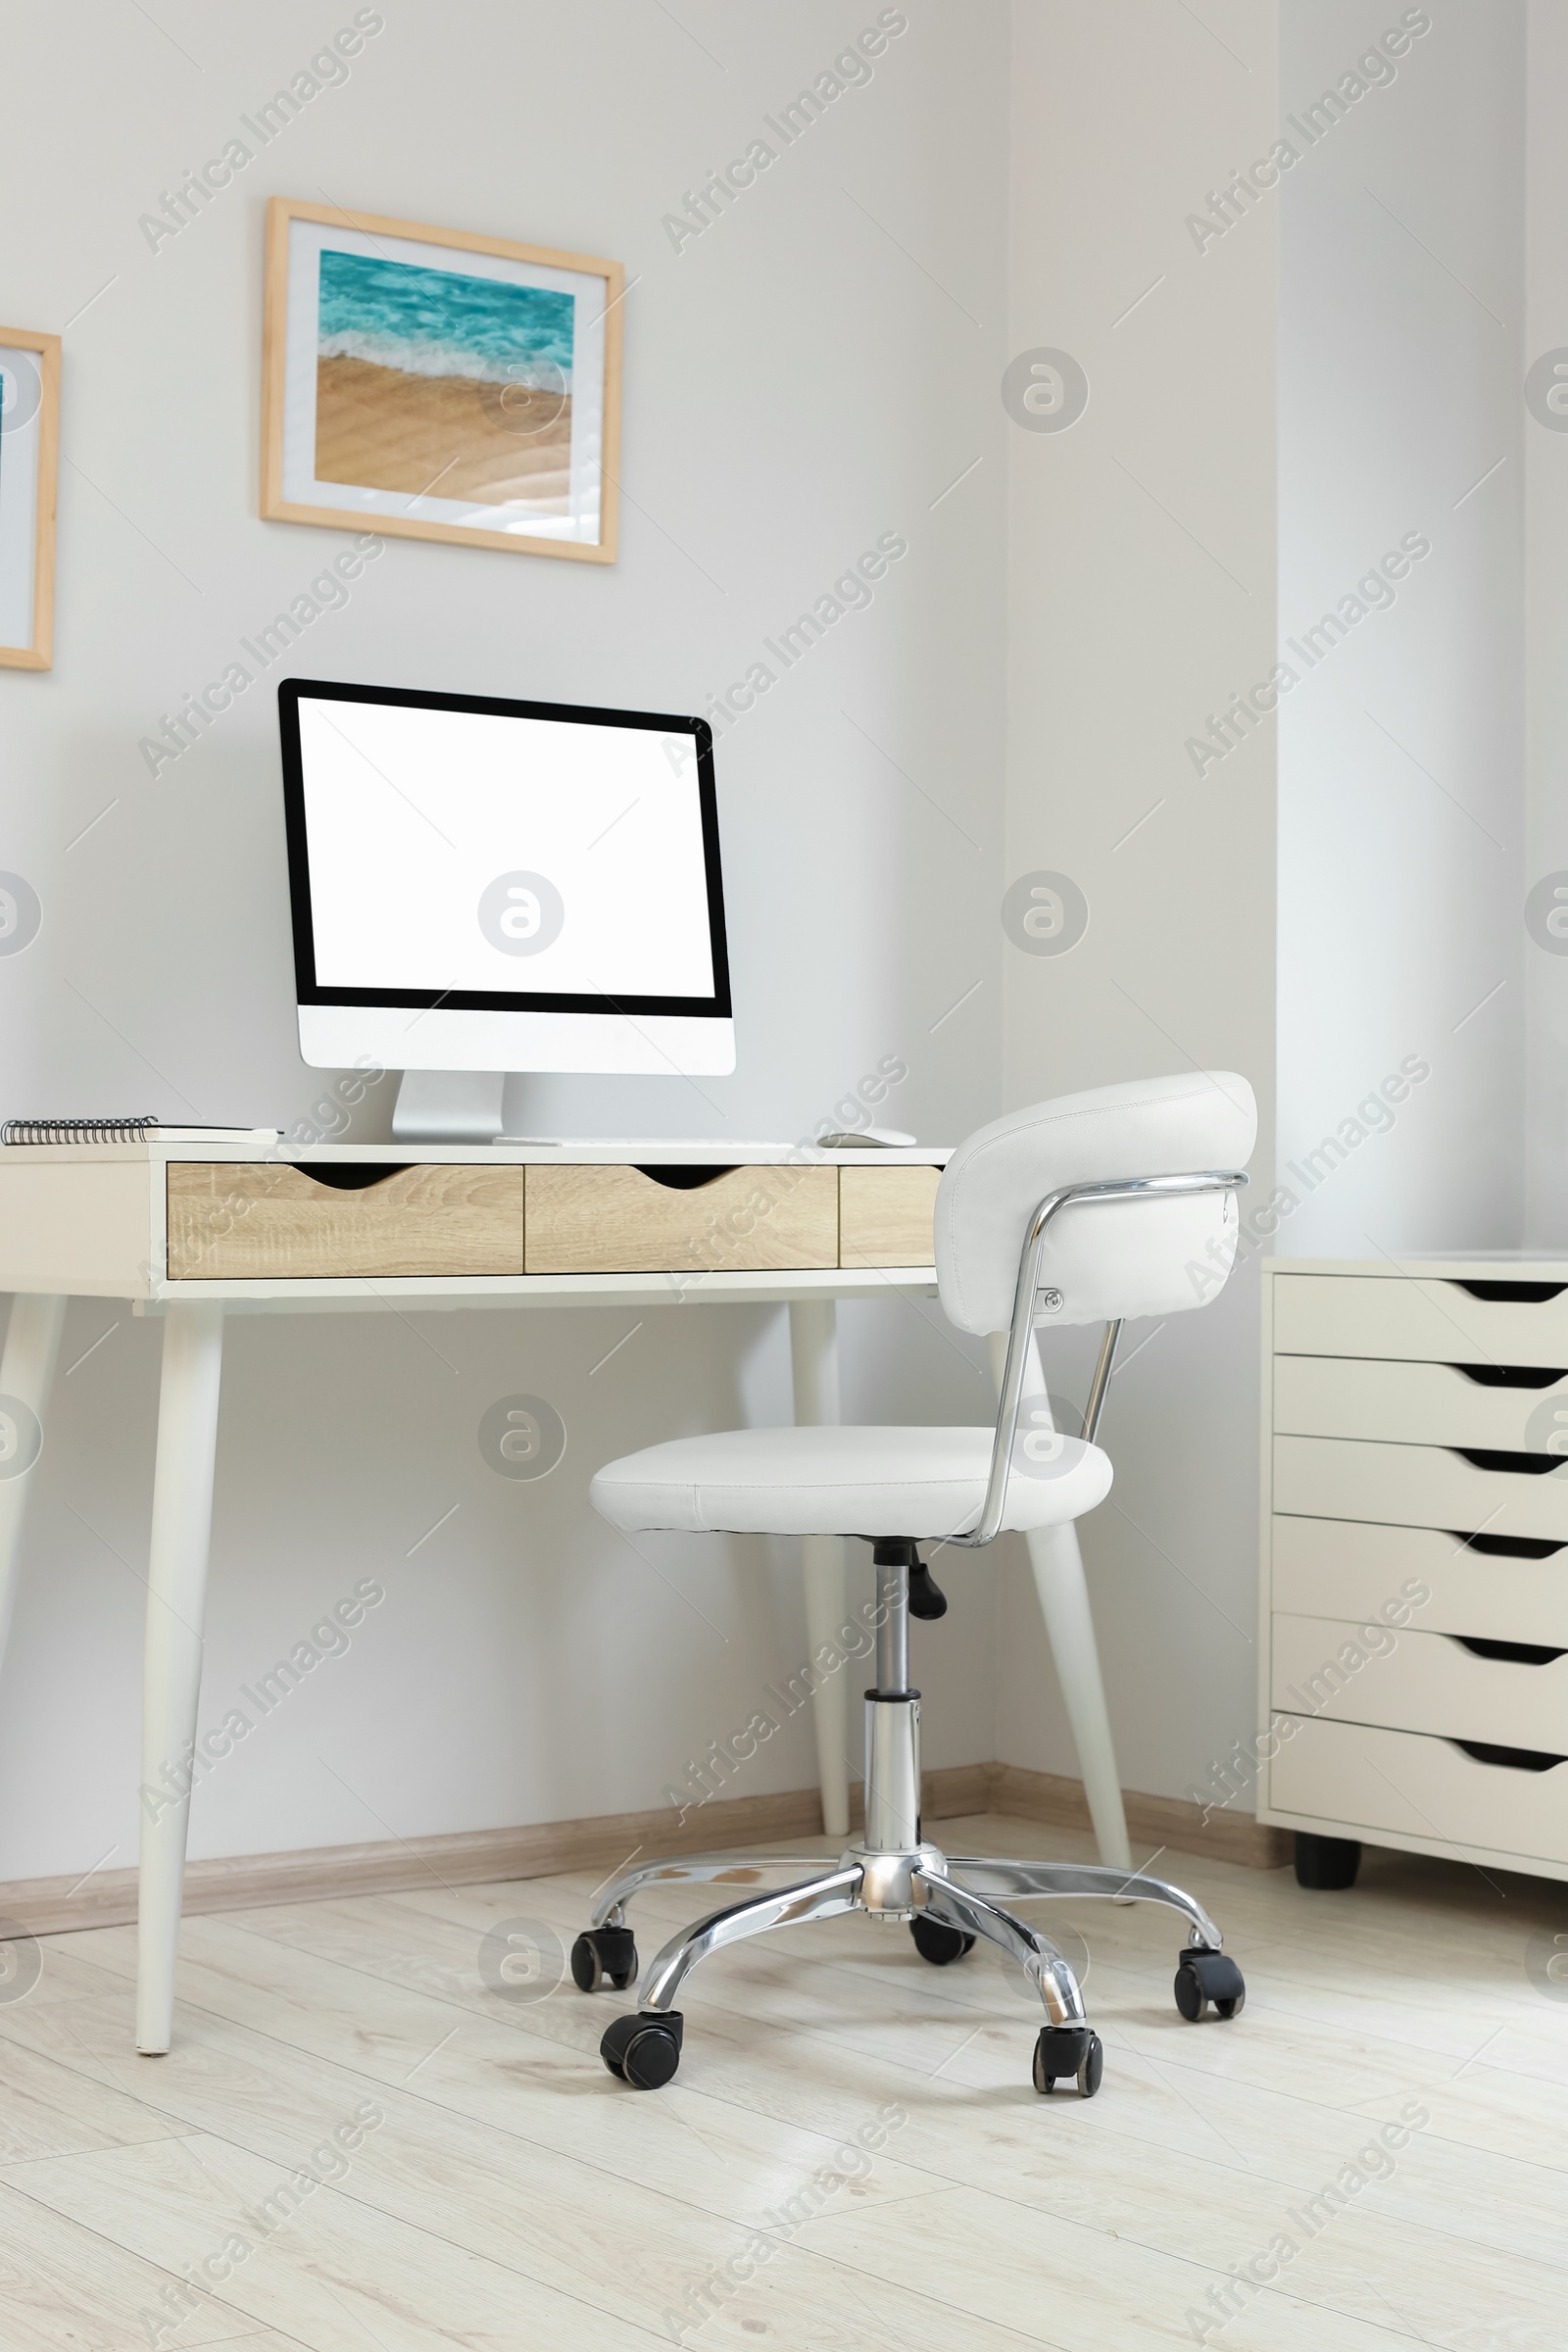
<point>1090,1209</point>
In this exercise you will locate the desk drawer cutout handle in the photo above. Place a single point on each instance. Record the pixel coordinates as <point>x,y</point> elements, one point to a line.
<point>1508,1376</point>
<point>1515,1294</point>
<point>1512,1653</point>
<point>1498,1458</point>
<point>353,1176</point>
<point>684,1179</point>
<point>1507,1547</point>
<point>1512,1759</point>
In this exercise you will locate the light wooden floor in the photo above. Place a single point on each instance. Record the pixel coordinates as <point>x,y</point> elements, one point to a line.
<point>514,2195</point>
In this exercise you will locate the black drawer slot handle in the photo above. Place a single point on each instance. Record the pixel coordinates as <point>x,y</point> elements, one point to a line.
<point>1508,1376</point>
<point>1513,1654</point>
<point>1515,1294</point>
<point>349,1175</point>
<point>684,1179</point>
<point>1507,1547</point>
<point>1495,1458</point>
<point>1516,1759</point>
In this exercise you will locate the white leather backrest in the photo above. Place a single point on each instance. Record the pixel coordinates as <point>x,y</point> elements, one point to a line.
<point>1106,1259</point>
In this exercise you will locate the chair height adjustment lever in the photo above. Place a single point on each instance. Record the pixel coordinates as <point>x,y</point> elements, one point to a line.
<point>926,1596</point>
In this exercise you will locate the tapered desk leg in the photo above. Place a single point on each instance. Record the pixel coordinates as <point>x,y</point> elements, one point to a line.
<point>176,1598</point>
<point>814,1358</point>
<point>26,1369</point>
<point>1059,1568</point>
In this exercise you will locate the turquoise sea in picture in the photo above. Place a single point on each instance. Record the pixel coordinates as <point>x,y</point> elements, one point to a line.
<point>435,323</point>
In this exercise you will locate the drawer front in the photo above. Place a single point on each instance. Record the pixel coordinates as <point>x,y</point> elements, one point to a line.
<point>1419,1682</point>
<point>1428,1320</point>
<point>885,1216</point>
<point>1416,1485</point>
<point>1340,1568</point>
<point>1361,1781</point>
<point>251,1222</point>
<point>1415,1404</point>
<point>615,1220</point>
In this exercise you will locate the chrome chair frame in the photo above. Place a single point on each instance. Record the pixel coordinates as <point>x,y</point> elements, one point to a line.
<point>894,1872</point>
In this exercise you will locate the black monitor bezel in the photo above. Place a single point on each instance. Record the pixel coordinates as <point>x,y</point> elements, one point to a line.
<point>310,991</point>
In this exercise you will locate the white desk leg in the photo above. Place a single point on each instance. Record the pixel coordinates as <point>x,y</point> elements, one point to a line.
<point>26,1369</point>
<point>1059,1568</point>
<point>176,1597</point>
<point>815,1359</point>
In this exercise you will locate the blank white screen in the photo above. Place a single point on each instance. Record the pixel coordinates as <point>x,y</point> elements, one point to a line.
<point>414,817</point>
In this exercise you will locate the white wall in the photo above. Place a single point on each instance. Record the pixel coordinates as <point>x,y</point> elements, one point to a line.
<point>1142,573</point>
<point>1545,474</point>
<point>1136,623</point>
<point>1146,544</point>
<point>817,368</point>
<point>822,364</point>
<point>1401,786</point>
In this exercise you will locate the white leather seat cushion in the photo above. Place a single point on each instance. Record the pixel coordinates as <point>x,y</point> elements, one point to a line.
<point>923,1482</point>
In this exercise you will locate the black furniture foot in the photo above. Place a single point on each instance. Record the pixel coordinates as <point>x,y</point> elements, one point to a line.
<point>1328,1864</point>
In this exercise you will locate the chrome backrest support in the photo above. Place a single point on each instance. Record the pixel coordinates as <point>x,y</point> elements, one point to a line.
<point>1095,1401</point>
<point>1020,1335</point>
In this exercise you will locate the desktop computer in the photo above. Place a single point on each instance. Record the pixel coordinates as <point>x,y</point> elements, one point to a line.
<point>483,885</point>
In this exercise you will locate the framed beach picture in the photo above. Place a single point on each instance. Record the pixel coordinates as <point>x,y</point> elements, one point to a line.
<point>435,385</point>
<point>30,456</point>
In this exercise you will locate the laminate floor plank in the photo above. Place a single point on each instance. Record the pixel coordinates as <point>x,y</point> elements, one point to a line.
<point>1096,2294</point>
<point>512,2193</point>
<point>698,2161</point>
<point>69,1966</point>
<point>308,2260</point>
<point>65,2285</point>
<point>47,2109</point>
<point>314,2257</point>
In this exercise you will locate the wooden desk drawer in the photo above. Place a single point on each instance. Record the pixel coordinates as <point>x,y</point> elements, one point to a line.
<point>617,1220</point>
<point>885,1216</point>
<point>1416,1485</point>
<point>1421,1683</point>
<point>250,1222</point>
<point>1415,1404</point>
<point>1429,1320</point>
<point>1423,1790</point>
<point>1342,1568</point>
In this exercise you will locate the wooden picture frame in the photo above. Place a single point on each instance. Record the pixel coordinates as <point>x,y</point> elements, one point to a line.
<point>356,378</point>
<point>29,469</point>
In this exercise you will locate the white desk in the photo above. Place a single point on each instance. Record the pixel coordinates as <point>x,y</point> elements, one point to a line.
<point>196,1233</point>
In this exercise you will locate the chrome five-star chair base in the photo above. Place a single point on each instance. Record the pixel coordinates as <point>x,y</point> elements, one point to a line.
<point>892,1873</point>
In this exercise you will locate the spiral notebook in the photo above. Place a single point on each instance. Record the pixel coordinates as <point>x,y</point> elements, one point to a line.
<point>127,1131</point>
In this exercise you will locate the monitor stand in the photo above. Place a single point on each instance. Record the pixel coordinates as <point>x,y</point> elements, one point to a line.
<point>449,1107</point>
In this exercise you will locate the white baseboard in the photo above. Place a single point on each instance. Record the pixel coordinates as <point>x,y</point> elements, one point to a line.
<point>470,1857</point>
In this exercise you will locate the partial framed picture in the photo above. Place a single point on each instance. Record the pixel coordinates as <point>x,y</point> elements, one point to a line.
<point>30,457</point>
<point>435,385</point>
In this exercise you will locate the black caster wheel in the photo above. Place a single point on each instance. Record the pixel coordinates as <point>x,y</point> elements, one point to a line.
<point>643,2049</point>
<point>939,1944</point>
<point>1328,1864</point>
<point>1208,1979</point>
<point>1063,2050</point>
<point>604,1956</point>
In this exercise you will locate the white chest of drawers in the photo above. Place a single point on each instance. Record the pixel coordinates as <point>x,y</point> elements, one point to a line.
<point>1413,1646</point>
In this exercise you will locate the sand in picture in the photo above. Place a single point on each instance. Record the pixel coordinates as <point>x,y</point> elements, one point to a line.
<point>381,429</point>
